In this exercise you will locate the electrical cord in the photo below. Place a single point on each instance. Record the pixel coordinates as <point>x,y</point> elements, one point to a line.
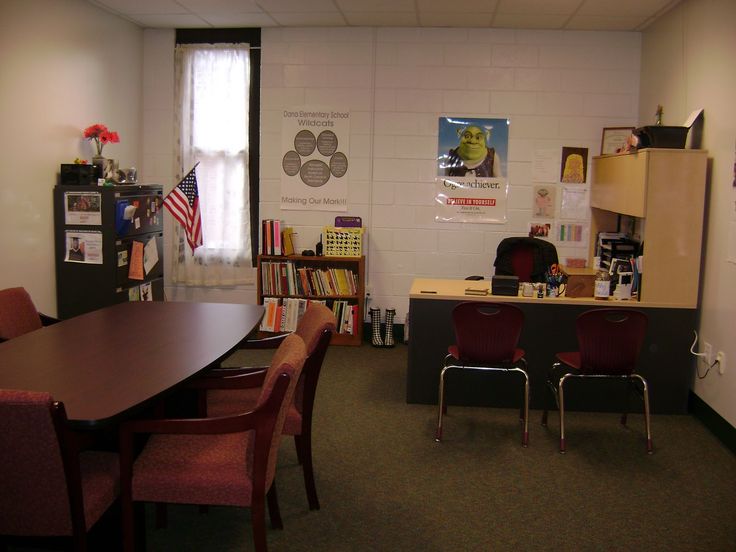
<point>701,355</point>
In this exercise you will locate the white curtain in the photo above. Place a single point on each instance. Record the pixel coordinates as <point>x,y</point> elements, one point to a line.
<point>212,100</point>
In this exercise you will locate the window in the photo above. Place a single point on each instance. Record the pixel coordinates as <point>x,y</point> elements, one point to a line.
<point>214,123</point>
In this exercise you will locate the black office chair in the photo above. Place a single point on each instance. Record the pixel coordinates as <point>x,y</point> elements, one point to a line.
<point>527,258</point>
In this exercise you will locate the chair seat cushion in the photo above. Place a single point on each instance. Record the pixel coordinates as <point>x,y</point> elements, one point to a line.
<point>455,352</point>
<point>195,469</point>
<point>100,483</point>
<point>225,402</point>
<point>572,359</point>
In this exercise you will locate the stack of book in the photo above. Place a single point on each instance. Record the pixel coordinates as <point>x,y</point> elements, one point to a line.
<point>283,315</point>
<point>285,278</point>
<point>271,237</point>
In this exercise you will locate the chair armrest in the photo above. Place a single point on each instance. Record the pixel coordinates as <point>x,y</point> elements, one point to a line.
<point>47,320</point>
<point>270,342</point>
<point>225,424</point>
<point>245,380</point>
<point>221,371</point>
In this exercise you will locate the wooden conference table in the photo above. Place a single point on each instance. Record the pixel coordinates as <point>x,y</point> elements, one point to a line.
<point>104,364</point>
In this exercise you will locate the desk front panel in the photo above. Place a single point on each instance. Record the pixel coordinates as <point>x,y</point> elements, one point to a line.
<point>549,328</point>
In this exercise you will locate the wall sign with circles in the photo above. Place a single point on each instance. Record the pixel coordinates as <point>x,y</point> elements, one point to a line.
<point>314,165</point>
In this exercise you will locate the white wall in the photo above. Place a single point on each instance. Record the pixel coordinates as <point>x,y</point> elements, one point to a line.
<point>557,88</point>
<point>687,64</point>
<point>65,66</point>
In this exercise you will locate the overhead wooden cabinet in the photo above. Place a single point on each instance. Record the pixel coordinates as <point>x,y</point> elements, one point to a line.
<point>664,189</point>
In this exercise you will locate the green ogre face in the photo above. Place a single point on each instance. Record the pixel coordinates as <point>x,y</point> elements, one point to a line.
<point>472,144</point>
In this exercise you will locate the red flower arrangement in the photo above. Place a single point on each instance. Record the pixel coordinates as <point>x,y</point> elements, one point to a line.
<point>101,135</point>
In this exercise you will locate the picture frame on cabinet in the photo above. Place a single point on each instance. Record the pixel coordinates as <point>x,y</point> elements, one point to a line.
<point>613,139</point>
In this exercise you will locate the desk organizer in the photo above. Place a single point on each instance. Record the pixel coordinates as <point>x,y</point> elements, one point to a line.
<point>342,242</point>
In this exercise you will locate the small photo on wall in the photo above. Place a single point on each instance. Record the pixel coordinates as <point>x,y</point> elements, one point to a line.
<point>544,202</point>
<point>539,229</point>
<point>574,166</point>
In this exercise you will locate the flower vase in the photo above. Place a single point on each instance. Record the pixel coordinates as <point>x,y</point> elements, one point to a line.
<point>99,163</point>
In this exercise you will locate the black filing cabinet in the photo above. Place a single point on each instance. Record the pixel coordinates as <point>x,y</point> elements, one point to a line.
<point>108,246</point>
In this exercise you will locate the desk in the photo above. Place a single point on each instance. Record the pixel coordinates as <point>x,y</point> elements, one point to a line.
<point>549,327</point>
<point>105,363</point>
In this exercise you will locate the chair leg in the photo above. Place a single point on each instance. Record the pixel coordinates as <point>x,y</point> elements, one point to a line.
<point>299,452</point>
<point>273,507</point>
<point>625,413</point>
<point>552,390</point>
<point>79,542</point>
<point>161,515</point>
<point>258,521</point>
<point>128,522</point>
<point>647,423</point>
<point>305,446</point>
<point>133,525</point>
<point>525,442</point>
<point>561,401</point>
<point>525,409</point>
<point>441,405</point>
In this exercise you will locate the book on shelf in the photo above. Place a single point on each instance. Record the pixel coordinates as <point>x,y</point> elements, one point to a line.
<point>291,316</point>
<point>268,323</point>
<point>277,237</point>
<point>271,242</point>
<point>287,241</point>
<point>286,278</point>
<point>283,315</point>
<point>269,237</point>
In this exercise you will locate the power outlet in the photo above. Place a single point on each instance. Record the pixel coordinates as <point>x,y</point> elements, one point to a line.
<point>708,350</point>
<point>721,359</point>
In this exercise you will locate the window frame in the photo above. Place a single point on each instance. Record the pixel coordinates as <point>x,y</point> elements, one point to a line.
<point>251,36</point>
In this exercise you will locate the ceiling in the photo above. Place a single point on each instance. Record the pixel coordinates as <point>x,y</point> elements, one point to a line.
<point>597,15</point>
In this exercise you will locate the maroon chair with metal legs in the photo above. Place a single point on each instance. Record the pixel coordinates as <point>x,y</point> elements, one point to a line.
<point>610,341</point>
<point>486,335</point>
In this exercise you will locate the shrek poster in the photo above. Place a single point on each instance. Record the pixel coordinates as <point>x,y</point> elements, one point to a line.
<point>314,162</point>
<point>472,178</point>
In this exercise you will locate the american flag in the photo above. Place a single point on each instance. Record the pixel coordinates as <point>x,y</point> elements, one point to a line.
<point>183,203</point>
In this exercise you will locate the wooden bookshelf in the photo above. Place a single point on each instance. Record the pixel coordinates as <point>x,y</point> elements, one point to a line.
<point>328,279</point>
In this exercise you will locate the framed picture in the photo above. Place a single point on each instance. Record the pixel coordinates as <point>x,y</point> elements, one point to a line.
<point>614,139</point>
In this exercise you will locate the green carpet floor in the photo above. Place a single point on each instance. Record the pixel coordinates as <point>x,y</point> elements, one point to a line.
<point>385,485</point>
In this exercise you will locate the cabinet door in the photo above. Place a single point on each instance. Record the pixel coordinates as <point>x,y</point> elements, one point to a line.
<point>620,184</point>
<point>153,259</point>
<point>146,214</point>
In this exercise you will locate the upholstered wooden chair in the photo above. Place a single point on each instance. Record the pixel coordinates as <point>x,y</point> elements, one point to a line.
<point>48,488</point>
<point>610,341</point>
<point>487,335</point>
<point>228,461</point>
<point>315,328</point>
<point>18,314</point>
